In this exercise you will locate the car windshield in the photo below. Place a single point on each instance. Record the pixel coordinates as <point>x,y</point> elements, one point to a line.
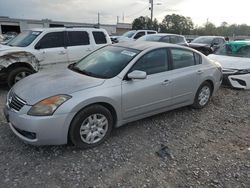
<point>129,34</point>
<point>24,39</point>
<point>203,40</point>
<point>236,49</point>
<point>106,62</point>
<point>150,38</point>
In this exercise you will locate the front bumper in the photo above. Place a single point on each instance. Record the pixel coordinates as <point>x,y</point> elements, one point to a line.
<point>239,81</point>
<point>39,130</point>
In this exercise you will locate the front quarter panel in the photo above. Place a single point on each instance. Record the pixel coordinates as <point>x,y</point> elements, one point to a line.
<point>109,92</point>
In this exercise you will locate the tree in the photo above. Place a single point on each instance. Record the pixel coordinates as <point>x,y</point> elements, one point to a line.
<point>177,24</point>
<point>144,23</point>
<point>210,29</point>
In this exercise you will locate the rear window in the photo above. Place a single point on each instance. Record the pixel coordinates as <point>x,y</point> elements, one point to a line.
<point>77,38</point>
<point>99,37</point>
<point>182,58</point>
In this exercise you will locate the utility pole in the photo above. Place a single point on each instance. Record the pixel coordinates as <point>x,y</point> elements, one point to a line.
<point>98,20</point>
<point>151,8</point>
<point>117,19</point>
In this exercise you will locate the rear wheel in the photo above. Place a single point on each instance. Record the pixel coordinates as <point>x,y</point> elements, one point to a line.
<point>17,74</point>
<point>203,95</point>
<point>91,126</point>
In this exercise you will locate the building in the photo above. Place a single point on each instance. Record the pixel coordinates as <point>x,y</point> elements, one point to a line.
<point>18,25</point>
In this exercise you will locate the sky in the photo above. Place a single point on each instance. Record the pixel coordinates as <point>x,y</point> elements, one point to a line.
<point>215,11</point>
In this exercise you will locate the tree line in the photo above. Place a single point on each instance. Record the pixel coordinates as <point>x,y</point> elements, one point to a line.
<point>179,24</point>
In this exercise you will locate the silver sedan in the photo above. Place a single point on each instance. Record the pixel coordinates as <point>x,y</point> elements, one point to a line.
<point>109,88</point>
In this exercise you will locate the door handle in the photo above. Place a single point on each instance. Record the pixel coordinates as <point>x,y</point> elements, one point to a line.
<point>88,50</point>
<point>199,72</point>
<point>166,82</point>
<point>62,53</point>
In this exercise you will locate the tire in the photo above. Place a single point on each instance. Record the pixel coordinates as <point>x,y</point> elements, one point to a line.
<point>91,126</point>
<point>202,96</point>
<point>17,74</point>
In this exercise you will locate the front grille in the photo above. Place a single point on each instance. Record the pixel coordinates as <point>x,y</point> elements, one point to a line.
<point>15,102</point>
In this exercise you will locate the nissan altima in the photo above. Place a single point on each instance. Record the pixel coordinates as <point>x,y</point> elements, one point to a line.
<point>108,88</point>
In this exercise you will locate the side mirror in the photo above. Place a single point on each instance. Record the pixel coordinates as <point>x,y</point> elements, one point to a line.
<point>136,74</point>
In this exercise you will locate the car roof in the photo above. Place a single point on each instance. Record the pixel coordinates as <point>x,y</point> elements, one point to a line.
<point>143,45</point>
<point>165,34</point>
<point>211,37</point>
<point>67,29</point>
<point>143,30</point>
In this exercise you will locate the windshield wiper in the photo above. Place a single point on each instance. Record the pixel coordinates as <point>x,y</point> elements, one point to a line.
<point>77,69</point>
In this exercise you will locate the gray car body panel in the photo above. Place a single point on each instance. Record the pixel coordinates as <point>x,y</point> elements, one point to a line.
<point>130,99</point>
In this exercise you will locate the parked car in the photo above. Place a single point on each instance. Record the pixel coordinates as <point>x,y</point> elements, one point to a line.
<point>8,36</point>
<point>110,87</point>
<point>133,35</point>
<point>165,37</point>
<point>45,49</point>
<point>113,38</point>
<point>235,60</point>
<point>207,44</point>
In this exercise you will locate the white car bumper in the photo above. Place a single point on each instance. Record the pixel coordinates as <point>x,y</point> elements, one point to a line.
<point>241,81</point>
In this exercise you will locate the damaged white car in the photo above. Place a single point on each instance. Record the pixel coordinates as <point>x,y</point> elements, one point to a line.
<point>46,49</point>
<point>235,60</point>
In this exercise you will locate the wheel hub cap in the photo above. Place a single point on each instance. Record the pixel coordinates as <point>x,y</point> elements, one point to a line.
<point>94,128</point>
<point>21,75</point>
<point>204,95</point>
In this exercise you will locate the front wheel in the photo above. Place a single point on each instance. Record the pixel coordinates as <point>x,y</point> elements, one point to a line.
<point>91,126</point>
<point>203,95</point>
<point>17,74</point>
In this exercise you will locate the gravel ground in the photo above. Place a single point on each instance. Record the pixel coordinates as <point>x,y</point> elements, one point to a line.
<point>202,148</point>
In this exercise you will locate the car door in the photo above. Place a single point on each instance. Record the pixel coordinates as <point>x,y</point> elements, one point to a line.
<point>185,74</point>
<point>150,94</point>
<point>78,45</point>
<point>52,51</point>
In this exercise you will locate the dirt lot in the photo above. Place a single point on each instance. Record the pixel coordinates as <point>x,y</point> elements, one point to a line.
<point>204,148</point>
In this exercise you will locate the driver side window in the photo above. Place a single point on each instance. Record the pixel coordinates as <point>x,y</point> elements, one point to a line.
<point>52,40</point>
<point>153,62</point>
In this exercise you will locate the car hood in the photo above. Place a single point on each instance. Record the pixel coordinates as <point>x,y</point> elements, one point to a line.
<point>124,39</point>
<point>228,62</point>
<point>41,85</point>
<point>5,49</point>
<point>197,45</point>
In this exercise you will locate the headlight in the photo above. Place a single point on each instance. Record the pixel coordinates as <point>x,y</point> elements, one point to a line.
<point>48,106</point>
<point>245,71</point>
<point>229,71</point>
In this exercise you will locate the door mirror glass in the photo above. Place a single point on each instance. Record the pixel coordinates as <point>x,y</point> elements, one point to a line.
<point>137,75</point>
